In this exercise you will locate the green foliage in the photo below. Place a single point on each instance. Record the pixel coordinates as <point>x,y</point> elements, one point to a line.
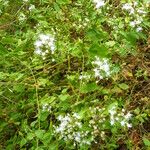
<point>61,80</point>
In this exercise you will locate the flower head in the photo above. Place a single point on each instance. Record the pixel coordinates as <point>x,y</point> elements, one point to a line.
<point>99,3</point>
<point>44,41</point>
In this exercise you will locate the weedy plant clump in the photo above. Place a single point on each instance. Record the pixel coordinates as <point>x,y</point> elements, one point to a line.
<point>74,74</point>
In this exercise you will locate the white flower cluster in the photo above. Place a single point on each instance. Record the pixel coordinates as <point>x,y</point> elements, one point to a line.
<point>122,118</point>
<point>46,107</point>
<point>102,67</point>
<point>44,43</point>
<point>99,3</point>
<point>69,129</point>
<point>136,13</point>
<point>97,121</point>
<point>128,7</point>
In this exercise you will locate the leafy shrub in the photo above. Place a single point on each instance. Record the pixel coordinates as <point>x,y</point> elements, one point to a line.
<point>65,74</point>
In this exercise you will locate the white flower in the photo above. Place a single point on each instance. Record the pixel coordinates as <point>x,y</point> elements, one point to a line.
<point>38,43</point>
<point>128,116</point>
<point>139,21</point>
<point>112,122</point>
<point>53,60</point>
<point>38,51</point>
<point>129,125</point>
<point>122,123</point>
<point>97,73</point>
<point>76,115</point>
<point>91,122</point>
<point>132,23</point>
<point>117,118</point>
<point>66,118</point>
<point>128,7</point>
<point>139,29</point>
<point>132,11</point>
<point>44,41</point>
<point>99,3</point>
<point>101,66</point>
<point>102,134</point>
<point>84,76</point>
<point>46,107</point>
<point>88,143</point>
<point>25,0</point>
<point>60,117</point>
<point>78,124</point>
<point>43,37</point>
<point>140,11</point>
<point>123,110</point>
<point>112,111</point>
<point>31,7</point>
<point>59,129</point>
<point>135,3</point>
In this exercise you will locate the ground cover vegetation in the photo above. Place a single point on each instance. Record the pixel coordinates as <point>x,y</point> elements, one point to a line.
<point>74,75</point>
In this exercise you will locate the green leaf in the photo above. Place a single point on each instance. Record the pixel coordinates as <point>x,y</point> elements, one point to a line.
<point>64,97</point>
<point>62,2</point>
<point>44,116</point>
<point>30,136</point>
<point>132,37</point>
<point>56,7</point>
<point>123,86</point>
<point>42,81</point>
<point>8,40</point>
<point>39,133</point>
<point>3,50</point>
<point>46,138</point>
<point>97,50</point>
<point>114,104</point>
<point>146,142</point>
<point>19,88</point>
<point>89,87</point>
<point>95,35</point>
<point>23,142</point>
